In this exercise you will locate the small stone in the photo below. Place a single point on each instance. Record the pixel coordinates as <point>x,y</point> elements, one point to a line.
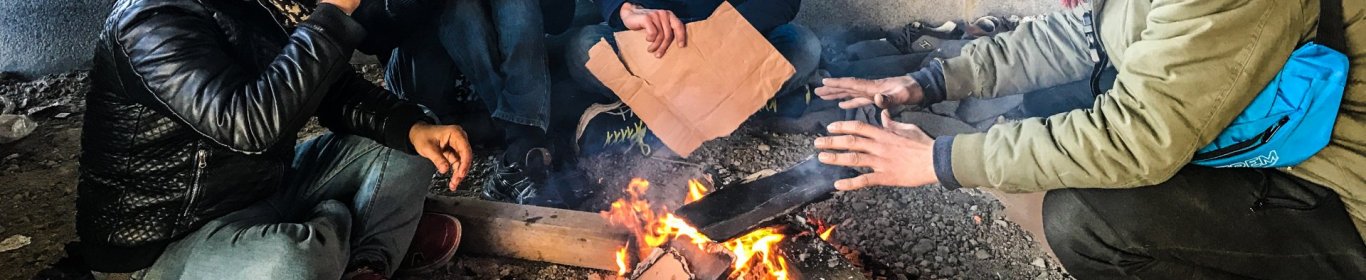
<point>1001,223</point>
<point>14,242</point>
<point>946,272</point>
<point>1039,263</point>
<point>982,254</point>
<point>764,148</point>
<point>1042,276</point>
<point>943,249</point>
<point>15,127</point>
<point>11,157</point>
<point>922,247</point>
<point>61,115</point>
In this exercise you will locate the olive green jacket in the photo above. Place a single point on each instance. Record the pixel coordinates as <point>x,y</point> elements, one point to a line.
<point>1186,70</point>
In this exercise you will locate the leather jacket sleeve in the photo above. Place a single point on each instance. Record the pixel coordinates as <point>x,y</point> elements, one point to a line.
<point>356,106</point>
<point>190,73</point>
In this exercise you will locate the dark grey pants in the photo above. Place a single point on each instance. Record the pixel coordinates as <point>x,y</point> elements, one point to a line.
<point>346,199</point>
<point>1206,223</point>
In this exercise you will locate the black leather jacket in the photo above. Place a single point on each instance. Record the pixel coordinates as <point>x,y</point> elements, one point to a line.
<point>194,111</point>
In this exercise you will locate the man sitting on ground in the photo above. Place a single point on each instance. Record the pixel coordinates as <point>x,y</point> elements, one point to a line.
<point>190,168</point>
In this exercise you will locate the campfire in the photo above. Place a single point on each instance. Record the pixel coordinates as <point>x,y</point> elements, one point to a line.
<point>754,255</point>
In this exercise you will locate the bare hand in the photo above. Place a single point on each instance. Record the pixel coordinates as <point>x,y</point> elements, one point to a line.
<point>899,153</point>
<point>446,146</point>
<point>885,93</point>
<point>347,6</point>
<point>662,28</point>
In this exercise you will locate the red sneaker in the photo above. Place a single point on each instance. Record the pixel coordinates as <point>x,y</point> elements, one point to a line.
<point>364,273</point>
<point>437,238</point>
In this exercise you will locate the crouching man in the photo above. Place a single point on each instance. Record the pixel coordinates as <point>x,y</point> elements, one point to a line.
<point>1119,199</point>
<point>190,168</point>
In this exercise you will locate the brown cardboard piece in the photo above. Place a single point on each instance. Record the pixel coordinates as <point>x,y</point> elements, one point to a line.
<point>696,93</point>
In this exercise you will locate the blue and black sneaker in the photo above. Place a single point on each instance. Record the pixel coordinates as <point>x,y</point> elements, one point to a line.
<point>613,128</point>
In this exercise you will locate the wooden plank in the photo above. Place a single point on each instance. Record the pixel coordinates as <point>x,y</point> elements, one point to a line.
<point>559,236</point>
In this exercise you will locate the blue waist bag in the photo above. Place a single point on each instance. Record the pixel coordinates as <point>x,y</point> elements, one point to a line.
<point>1292,119</point>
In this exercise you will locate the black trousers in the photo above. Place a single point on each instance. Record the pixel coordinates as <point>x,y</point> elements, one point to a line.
<point>1206,223</point>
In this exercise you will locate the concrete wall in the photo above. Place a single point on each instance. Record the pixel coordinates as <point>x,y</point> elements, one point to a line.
<point>39,37</point>
<point>896,13</point>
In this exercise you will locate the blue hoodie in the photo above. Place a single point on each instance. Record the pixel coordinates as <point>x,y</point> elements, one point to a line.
<point>763,14</point>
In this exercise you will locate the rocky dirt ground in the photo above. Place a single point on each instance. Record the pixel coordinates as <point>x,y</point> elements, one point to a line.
<point>897,233</point>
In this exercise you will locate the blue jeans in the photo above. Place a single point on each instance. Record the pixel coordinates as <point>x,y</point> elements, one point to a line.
<point>797,44</point>
<point>346,199</point>
<point>498,45</point>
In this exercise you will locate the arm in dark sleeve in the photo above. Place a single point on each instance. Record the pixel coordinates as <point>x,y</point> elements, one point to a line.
<point>611,12</point>
<point>768,14</point>
<point>931,80</point>
<point>185,65</point>
<point>358,107</point>
<point>391,21</point>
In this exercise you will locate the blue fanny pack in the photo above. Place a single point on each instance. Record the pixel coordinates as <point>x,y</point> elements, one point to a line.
<point>1292,119</point>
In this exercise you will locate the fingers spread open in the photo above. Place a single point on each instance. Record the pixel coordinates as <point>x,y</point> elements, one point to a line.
<point>855,103</point>
<point>847,143</point>
<point>899,128</point>
<point>856,159</point>
<point>855,84</point>
<point>858,128</point>
<point>862,181</point>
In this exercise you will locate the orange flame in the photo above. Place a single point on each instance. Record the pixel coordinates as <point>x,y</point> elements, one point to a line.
<point>825,234</point>
<point>695,191</point>
<point>621,262</point>
<point>755,254</point>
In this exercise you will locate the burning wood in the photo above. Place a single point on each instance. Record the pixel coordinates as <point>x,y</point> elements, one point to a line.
<point>754,255</point>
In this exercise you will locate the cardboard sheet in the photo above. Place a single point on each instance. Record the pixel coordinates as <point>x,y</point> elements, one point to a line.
<point>700,92</point>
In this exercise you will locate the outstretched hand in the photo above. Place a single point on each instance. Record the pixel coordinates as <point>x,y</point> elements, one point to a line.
<point>662,28</point>
<point>885,93</point>
<point>446,146</point>
<point>900,154</point>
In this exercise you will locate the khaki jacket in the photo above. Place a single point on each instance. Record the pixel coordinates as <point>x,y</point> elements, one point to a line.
<point>1186,69</point>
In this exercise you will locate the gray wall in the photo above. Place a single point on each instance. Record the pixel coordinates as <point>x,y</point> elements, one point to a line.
<point>39,37</point>
<point>895,13</point>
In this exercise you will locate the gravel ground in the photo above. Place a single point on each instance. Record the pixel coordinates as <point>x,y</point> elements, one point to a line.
<point>902,233</point>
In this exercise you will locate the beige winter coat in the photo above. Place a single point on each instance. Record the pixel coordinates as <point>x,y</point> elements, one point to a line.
<point>1186,69</point>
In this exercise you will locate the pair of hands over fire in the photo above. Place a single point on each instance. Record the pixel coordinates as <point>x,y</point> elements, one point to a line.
<point>900,154</point>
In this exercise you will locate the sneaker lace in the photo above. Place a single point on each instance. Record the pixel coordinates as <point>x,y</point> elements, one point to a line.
<point>634,135</point>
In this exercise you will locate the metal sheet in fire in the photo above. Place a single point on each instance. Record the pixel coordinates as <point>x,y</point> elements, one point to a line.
<point>735,210</point>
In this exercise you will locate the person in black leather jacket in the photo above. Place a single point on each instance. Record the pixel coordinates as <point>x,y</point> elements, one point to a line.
<point>190,168</point>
